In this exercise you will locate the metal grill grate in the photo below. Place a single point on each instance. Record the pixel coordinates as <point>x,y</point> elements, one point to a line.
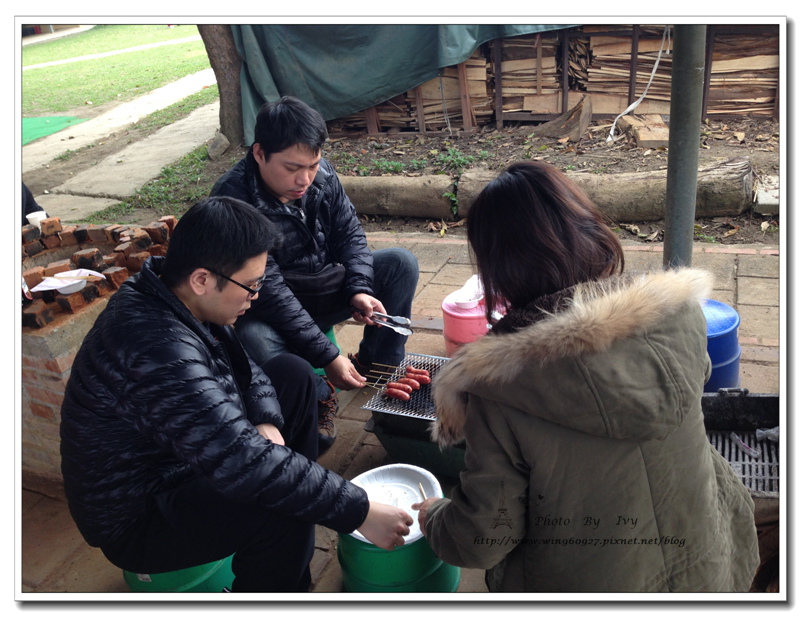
<point>761,474</point>
<point>420,405</point>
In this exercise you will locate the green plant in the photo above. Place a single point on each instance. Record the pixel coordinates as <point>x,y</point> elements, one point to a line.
<point>417,164</point>
<point>484,155</point>
<point>64,156</point>
<point>388,167</point>
<point>362,170</point>
<point>453,201</point>
<point>453,159</point>
<point>704,237</point>
<point>569,168</point>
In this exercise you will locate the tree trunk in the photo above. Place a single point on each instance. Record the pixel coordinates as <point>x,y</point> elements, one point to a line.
<point>227,64</point>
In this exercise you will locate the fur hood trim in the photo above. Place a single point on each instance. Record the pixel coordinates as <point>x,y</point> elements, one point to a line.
<point>598,314</point>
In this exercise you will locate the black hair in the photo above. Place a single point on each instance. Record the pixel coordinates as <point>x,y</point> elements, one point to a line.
<point>289,122</point>
<point>217,233</point>
<point>533,232</point>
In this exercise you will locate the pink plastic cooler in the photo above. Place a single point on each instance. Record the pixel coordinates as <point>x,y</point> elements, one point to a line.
<point>462,325</point>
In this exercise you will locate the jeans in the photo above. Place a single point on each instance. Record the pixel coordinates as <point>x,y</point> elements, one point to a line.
<point>396,273</point>
<point>191,524</point>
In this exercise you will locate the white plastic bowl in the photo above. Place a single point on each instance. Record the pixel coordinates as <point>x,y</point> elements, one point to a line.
<point>468,303</point>
<point>399,485</point>
<point>71,288</point>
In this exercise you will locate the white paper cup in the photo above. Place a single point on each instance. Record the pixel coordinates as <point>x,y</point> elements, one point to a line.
<point>35,218</point>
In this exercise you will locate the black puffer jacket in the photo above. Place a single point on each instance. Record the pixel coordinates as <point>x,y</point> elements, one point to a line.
<point>155,398</point>
<point>329,233</point>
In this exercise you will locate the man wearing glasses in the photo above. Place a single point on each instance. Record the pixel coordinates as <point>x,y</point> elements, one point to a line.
<point>177,449</point>
<point>285,177</point>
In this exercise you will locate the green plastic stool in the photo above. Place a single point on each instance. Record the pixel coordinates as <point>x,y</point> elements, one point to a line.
<point>209,577</point>
<point>331,335</point>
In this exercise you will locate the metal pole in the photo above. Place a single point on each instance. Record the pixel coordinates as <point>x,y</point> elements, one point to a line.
<point>685,111</point>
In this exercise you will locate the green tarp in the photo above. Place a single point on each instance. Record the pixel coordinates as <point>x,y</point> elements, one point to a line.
<point>342,69</point>
<point>34,128</point>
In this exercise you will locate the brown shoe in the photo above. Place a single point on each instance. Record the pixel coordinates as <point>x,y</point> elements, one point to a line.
<point>363,369</point>
<point>326,411</point>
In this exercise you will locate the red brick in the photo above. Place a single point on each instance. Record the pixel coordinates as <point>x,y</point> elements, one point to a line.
<point>57,266</point>
<point>82,233</point>
<point>97,235</point>
<point>43,411</point>
<point>51,242</point>
<point>158,250</point>
<point>158,231</point>
<point>141,239</point>
<point>117,276</point>
<point>68,236</point>
<point>136,260</point>
<point>87,258</point>
<point>71,303</point>
<point>109,229</point>
<point>170,221</point>
<point>89,292</point>
<point>33,276</point>
<point>30,233</point>
<point>51,226</point>
<point>43,395</point>
<point>103,287</point>
<point>33,248</point>
<point>117,233</point>
<point>126,248</point>
<point>59,365</point>
<point>37,315</point>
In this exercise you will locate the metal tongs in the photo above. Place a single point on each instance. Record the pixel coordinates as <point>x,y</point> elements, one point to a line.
<point>396,323</point>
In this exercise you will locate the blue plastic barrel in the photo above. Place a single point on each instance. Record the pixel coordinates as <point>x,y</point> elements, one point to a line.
<point>722,331</point>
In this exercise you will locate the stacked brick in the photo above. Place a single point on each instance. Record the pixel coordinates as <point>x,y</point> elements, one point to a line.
<point>114,250</point>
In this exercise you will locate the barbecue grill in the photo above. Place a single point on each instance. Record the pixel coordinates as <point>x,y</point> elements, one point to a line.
<point>403,428</point>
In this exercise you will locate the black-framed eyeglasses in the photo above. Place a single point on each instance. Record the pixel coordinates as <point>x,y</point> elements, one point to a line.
<point>251,290</point>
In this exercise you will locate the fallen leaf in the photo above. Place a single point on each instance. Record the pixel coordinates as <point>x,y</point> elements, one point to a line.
<point>731,232</point>
<point>765,226</point>
<point>653,236</point>
<point>739,136</point>
<point>647,153</point>
<point>634,229</point>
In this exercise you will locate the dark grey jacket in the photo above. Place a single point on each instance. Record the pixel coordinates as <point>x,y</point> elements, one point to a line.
<point>156,399</point>
<point>329,233</point>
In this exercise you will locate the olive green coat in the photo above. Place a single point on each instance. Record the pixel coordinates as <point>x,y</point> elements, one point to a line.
<point>588,468</point>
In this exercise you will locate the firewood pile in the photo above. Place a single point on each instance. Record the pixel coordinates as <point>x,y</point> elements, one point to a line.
<point>528,68</point>
<point>744,74</point>
<point>439,98</point>
<point>744,78</point>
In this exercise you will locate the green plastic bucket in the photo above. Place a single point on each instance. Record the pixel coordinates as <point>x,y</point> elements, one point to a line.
<point>409,568</point>
<point>332,338</point>
<point>209,577</point>
<point>412,567</point>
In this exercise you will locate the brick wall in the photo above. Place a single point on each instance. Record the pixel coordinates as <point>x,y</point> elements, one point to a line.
<point>54,325</point>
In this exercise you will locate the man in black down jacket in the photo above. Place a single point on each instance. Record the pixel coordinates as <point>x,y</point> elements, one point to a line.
<point>178,450</point>
<point>285,177</point>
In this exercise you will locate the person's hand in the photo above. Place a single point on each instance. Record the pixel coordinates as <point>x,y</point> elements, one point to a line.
<point>342,374</point>
<point>386,526</point>
<point>362,306</point>
<point>423,511</point>
<point>271,433</point>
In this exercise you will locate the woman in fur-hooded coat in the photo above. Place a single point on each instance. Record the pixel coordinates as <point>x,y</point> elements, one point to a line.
<point>588,468</point>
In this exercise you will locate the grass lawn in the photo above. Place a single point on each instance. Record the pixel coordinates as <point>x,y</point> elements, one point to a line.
<point>121,77</point>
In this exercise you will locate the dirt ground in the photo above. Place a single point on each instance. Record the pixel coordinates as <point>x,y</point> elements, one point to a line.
<point>414,154</point>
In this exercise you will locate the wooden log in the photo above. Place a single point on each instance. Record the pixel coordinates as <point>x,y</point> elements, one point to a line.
<point>723,189</point>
